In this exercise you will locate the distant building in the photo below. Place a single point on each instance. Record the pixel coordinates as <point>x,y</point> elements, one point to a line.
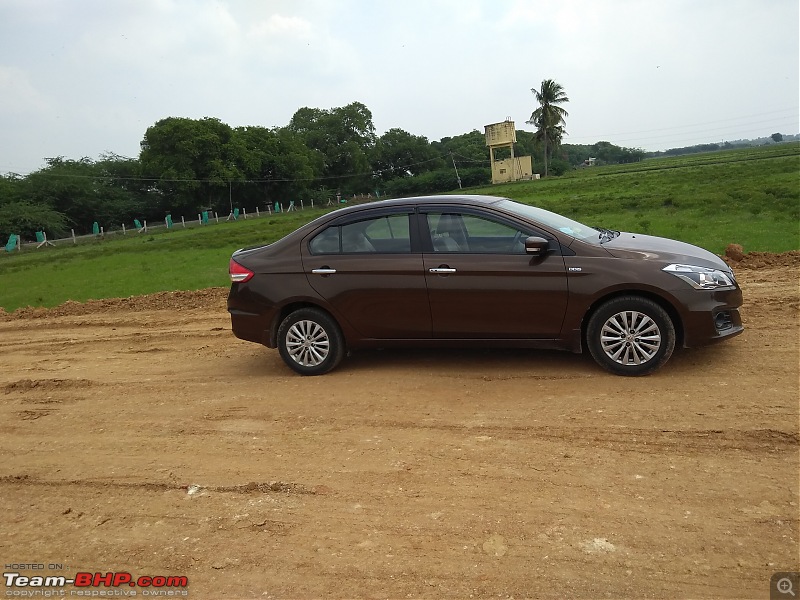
<point>515,168</point>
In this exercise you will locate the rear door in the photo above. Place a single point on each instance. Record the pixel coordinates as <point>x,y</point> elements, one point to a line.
<point>482,284</point>
<point>369,268</point>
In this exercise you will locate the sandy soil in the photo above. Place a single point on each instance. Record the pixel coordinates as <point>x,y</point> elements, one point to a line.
<point>138,435</point>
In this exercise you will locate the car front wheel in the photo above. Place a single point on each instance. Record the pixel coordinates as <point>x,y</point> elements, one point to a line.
<point>310,341</point>
<point>631,336</point>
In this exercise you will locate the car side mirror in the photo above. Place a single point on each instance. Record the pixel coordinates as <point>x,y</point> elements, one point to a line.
<point>536,246</point>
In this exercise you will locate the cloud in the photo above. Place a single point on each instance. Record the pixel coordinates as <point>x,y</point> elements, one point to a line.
<point>86,76</point>
<point>20,98</point>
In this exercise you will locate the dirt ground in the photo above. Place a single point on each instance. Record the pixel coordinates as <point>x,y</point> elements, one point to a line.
<point>139,436</point>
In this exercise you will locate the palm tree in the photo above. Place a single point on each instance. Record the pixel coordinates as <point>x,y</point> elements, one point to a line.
<point>549,117</point>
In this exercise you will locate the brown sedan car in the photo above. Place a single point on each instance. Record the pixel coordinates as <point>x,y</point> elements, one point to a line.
<point>478,270</point>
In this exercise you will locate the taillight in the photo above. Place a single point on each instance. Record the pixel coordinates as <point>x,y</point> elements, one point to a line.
<point>238,273</point>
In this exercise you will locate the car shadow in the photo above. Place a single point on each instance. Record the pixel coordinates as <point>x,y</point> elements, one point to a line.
<point>482,362</point>
<point>478,361</point>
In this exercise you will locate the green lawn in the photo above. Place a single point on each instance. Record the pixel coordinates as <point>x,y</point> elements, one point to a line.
<point>750,197</point>
<point>177,259</point>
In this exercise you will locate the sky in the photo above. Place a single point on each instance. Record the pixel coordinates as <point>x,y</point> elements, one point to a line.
<point>83,78</point>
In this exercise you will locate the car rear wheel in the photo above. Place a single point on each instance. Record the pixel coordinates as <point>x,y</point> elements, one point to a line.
<point>310,341</point>
<point>631,336</point>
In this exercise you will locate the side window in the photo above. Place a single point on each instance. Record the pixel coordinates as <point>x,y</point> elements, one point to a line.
<point>387,234</point>
<point>448,233</point>
<point>453,232</point>
<point>326,242</point>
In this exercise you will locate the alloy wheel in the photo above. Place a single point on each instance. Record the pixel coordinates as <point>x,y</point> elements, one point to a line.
<point>307,343</point>
<point>630,338</point>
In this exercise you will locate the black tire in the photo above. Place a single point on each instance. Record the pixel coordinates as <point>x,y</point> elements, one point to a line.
<point>310,341</point>
<point>630,336</point>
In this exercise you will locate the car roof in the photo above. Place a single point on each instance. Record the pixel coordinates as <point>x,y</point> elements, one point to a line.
<point>471,199</point>
<point>334,216</point>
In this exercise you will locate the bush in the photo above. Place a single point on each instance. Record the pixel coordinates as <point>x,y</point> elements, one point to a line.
<point>25,219</point>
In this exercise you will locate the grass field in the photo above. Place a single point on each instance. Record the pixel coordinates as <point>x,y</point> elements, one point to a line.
<point>750,197</point>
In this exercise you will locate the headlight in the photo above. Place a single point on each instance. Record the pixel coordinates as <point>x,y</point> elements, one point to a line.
<point>701,278</point>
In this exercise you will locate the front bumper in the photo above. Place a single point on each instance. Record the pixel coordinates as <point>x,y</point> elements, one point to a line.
<point>709,316</point>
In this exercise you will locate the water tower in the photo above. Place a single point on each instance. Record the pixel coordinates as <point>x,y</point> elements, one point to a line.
<point>515,168</point>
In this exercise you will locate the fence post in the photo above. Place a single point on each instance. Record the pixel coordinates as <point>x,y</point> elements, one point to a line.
<point>199,219</point>
<point>257,213</point>
<point>216,216</point>
<point>123,229</point>
<point>74,241</point>
<point>244,213</point>
<point>145,226</point>
<point>102,232</point>
<point>183,222</point>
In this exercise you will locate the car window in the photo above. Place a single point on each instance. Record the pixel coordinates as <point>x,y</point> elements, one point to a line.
<point>553,220</point>
<point>390,233</point>
<point>454,232</point>
<point>326,242</point>
<point>387,234</point>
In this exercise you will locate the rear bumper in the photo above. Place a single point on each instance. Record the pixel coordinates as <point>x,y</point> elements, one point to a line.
<point>249,326</point>
<point>250,320</point>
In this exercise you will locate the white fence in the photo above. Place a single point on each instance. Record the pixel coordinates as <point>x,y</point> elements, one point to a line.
<point>167,223</point>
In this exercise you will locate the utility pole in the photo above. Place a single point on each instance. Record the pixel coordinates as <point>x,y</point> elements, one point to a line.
<point>456,168</point>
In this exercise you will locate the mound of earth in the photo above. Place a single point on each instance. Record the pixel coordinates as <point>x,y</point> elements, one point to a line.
<point>211,298</point>
<point>761,260</point>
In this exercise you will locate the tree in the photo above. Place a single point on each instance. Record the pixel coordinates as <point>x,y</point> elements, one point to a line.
<point>69,187</point>
<point>776,137</point>
<point>344,136</point>
<point>22,216</point>
<point>124,192</point>
<point>278,164</point>
<point>549,117</point>
<point>191,161</point>
<point>397,153</point>
<point>25,218</point>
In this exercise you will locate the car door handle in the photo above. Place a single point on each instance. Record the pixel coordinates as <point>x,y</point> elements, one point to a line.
<point>442,270</point>
<point>323,271</point>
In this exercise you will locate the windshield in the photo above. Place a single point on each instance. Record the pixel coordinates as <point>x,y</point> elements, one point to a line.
<point>552,220</point>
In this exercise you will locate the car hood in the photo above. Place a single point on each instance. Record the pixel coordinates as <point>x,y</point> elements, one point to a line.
<point>635,245</point>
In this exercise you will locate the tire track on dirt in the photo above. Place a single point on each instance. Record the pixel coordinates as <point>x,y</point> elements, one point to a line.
<point>155,486</point>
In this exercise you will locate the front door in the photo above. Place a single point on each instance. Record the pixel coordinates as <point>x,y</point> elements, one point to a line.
<point>482,284</point>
